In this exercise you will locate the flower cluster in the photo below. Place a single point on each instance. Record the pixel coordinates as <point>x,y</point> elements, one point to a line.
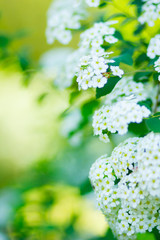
<point>148,157</point>
<point>126,87</point>
<point>157,67</point>
<point>120,183</point>
<point>151,12</point>
<point>121,109</point>
<point>154,47</point>
<point>94,71</point>
<point>64,16</point>
<point>91,40</point>
<point>153,51</point>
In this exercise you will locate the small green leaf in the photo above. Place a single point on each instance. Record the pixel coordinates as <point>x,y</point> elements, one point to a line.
<point>153,123</point>
<point>139,29</point>
<point>127,20</point>
<point>88,108</point>
<point>4,41</point>
<point>108,87</point>
<point>118,35</point>
<point>102,5</point>
<point>141,59</point>
<point>142,76</point>
<point>147,103</point>
<point>155,76</point>
<point>117,15</point>
<point>125,57</point>
<point>126,68</point>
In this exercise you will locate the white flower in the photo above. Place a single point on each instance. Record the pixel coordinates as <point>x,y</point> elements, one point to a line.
<point>153,49</point>
<point>99,81</point>
<point>150,12</point>
<point>92,39</point>
<point>117,182</point>
<point>104,138</point>
<point>93,3</point>
<point>62,17</point>
<point>116,71</point>
<point>111,39</point>
<point>116,117</point>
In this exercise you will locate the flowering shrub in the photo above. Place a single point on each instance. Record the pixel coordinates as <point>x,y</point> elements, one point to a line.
<point>124,74</point>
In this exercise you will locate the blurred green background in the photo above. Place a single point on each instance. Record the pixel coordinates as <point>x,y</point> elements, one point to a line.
<point>43,179</point>
<point>44,188</point>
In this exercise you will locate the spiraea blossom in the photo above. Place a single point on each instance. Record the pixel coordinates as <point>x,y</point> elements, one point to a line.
<point>150,12</point>
<point>60,64</point>
<point>64,16</point>
<point>101,33</point>
<point>148,156</point>
<point>121,109</point>
<point>157,67</point>
<point>126,87</point>
<point>95,66</point>
<point>93,71</point>
<point>153,51</point>
<point>128,204</point>
<point>154,47</point>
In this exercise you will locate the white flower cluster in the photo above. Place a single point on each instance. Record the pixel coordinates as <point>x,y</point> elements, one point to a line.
<point>148,157</point>
<point>151,12</point>
<point>121,109</point>
<point>157,67</point>
<point>92,39</point>
<point>154,47</point>
<point>127,188</point>
<point>126,87</point>
<point>154,50</point>
<point>64,16</point>
<point>60,64</point>
<point>95,70</point>
<point>93,67</point>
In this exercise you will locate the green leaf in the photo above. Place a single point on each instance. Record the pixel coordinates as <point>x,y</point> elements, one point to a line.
<point>4,41</point>
<point>138,3</point>
<point>127,20</point>
<point>147,103</point>
<point>116,15</point>
<point>141,59</point>
<point>139,129</point>
<point>73,96</point>
<point>155,76</point>
<point>142,76</point>
<point>125,57</point>
<point>139,29</point>
<point>104,3</point>
<point>153,123</point>
<point>118,35</point>
<point>88,108</point>
<point>85,187</point>
<point>126,68</point>
<point>156,234</point>
<point>145,236</point>
<point>108,87</point>
<point>42,97</point>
